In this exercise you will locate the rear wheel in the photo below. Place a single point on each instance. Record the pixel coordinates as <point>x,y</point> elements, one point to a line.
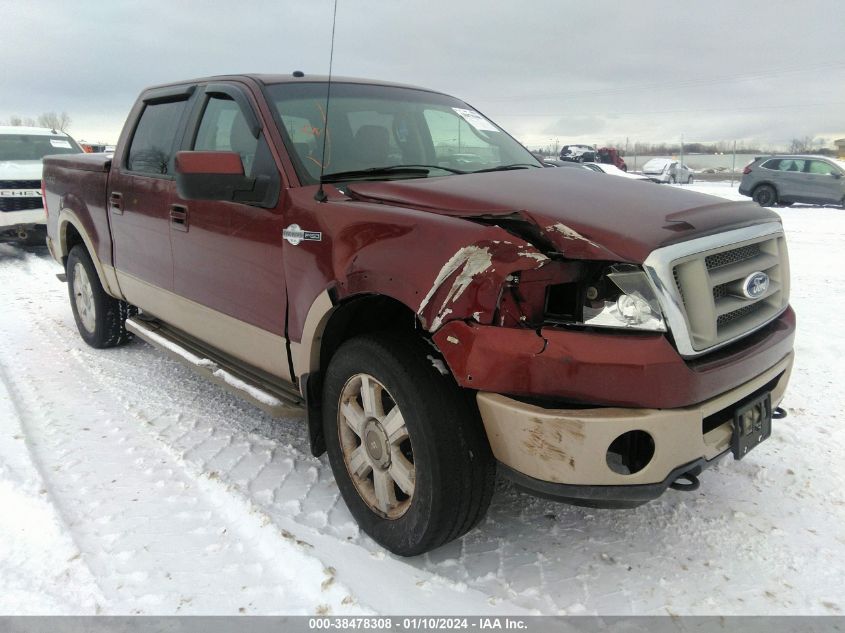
<point>765,196</point>
<point>406,446</point>
<point>689,180</point>
<point>99,317</point>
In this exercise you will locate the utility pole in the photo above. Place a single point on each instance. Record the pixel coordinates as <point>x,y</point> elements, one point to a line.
<point>733,166</point>
<point>682,149</point>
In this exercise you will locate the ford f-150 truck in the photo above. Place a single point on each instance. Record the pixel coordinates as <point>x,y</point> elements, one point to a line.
<point>439,305</point>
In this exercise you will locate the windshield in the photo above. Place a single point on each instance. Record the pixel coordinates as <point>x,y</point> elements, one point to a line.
<point>373,127</point>
<point>35,146</point>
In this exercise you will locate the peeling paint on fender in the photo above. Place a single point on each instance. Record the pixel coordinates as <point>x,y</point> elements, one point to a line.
<point>570,234</point>
<point>535,255</point>
<point>471,261</point>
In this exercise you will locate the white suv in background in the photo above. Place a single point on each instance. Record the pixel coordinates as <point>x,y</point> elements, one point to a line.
<point>21,151</point>
<point>667,170</point>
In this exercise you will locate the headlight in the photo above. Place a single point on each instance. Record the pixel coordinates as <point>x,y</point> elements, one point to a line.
<point>623,298</point>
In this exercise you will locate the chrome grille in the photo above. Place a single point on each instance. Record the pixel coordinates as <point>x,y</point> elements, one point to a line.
<point>20,184</point>
<point>700,285</point>
<point>711,290</point>
<point>724,319</point>
<point>20,204</point>
<point>732,256</point>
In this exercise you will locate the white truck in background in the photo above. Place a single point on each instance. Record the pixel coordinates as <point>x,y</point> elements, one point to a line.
<point>21,205</point>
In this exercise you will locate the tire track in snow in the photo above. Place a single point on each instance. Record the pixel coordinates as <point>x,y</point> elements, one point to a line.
<point>199,442</point>
<point>156,541</point>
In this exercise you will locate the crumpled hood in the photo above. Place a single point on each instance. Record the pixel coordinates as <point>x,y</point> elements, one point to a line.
<point>20,170</point>
<point>584,215</point>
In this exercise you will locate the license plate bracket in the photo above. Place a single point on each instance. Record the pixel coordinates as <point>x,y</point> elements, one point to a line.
<point>752,425</point>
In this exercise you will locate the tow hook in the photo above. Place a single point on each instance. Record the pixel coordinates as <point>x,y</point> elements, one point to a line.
<point>689,485</point>
<point>779,413</point>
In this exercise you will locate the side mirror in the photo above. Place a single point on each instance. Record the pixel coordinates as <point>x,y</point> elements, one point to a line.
<point>216,176</point>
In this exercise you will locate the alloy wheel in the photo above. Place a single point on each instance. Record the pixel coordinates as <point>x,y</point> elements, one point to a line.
<point>376,446</point>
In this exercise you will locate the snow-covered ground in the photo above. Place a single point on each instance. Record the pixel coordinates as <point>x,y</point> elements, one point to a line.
<point>129,485</point>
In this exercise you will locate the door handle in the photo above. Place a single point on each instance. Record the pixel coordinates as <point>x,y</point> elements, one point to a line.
<point>116,202</point>
<point>179,217</point>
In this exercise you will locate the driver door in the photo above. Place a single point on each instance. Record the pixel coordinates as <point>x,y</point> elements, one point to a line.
<point>227,256</point>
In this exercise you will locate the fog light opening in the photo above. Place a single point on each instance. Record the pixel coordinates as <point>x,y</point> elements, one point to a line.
<point>630,452</point>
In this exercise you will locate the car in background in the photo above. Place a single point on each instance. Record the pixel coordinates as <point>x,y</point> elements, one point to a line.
<point>667,170</point>
<point>21,205</point>
<point>786,179</point>
<point>612,170</point>
<point>578,153</point>
<point>553,162</point>
<point>611,156</point>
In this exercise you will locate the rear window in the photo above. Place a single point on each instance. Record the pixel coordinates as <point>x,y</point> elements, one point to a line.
<point>655,166</point>
<point>791,164</point>
<point>35,146</point>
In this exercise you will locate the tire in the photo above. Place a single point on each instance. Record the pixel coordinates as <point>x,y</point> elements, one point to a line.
<point>100,318</point>
<point>436,470</point>
<point>765,196</point>
<point>689,180</point>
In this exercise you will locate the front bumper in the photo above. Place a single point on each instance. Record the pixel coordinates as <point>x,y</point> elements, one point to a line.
<point>13,219</point>
<point>605,368</point>
<point>562,453</point>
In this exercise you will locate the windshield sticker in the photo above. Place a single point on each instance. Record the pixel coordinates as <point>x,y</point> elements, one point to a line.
<point>59,143</point>
<point>475,120</point>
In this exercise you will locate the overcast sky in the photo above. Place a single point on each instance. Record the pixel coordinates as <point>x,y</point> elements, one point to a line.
<point>572,71</point>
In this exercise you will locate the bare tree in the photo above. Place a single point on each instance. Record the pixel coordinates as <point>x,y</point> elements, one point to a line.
<point>15,120</point>
<point>801,145</point>
<point>55,121</point>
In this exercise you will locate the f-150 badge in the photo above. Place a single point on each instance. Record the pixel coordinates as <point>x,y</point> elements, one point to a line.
<point>294,234</point>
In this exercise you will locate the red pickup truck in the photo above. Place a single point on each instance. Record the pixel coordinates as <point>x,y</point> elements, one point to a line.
<point>439,305</point>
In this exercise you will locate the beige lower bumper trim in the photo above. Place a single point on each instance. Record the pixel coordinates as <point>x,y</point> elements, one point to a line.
<point>569,446</point>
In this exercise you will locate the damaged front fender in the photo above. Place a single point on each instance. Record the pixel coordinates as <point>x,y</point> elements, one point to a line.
<point>470,283</point>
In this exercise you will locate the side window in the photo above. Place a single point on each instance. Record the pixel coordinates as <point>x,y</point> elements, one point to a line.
<point>151,150</point>
<point>224,128</point>
<point>791,164</point>
<point>771,164</point>
<point>822,168</point>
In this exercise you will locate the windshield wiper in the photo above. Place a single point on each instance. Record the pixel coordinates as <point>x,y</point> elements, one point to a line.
<point>412,171</point>
<point>504,168</point>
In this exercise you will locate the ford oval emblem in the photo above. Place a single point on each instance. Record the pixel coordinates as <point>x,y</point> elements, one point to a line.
<point>755,285</point>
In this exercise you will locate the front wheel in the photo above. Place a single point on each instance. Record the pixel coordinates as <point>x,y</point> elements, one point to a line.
<point>765,196</point>
<point>407,448</point>
<point>689,180</point>
<point>99,317</point>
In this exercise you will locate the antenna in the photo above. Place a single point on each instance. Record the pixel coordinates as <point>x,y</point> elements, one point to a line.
<point>320,196</point>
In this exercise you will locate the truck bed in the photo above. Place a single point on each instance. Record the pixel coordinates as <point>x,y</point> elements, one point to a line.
<point>79,182</point>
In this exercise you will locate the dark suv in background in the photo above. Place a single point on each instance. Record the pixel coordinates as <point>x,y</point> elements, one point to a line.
<point>772,180</point>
